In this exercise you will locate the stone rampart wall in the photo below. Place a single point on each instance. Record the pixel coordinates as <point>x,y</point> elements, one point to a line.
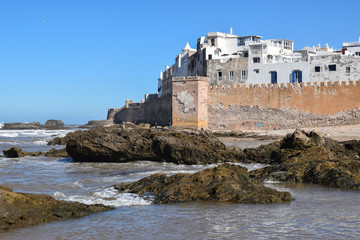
<point>282,106</point>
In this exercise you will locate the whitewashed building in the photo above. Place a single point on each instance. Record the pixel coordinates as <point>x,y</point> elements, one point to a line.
<point>230,59</point>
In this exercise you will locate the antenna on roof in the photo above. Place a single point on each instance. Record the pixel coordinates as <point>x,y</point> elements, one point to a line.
<point>230,30</point>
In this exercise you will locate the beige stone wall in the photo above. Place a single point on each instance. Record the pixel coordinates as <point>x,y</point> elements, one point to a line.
<point>280,106</point>
<point>189,102</point>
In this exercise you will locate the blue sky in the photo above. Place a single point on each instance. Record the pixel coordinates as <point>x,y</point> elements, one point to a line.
<point>74,59</point>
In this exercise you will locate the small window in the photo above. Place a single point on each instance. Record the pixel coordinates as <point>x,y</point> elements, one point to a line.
<point>256,71</point>
<point>192,64</point>
<point>357,53</point>
<point>273,77</point>
<point>347,69</point>
<point>317,69</point>
<point>210,56</point>
<point>332,68</point>
<point>246,54</point>
<point>231,76</point>
<point>256,60</point>
<point>212,42</point>
<point>243,75</point>
<point>219,75</point>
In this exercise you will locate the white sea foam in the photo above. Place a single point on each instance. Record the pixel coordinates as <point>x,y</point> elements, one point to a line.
<point>1,125</point>
<point>251,166</point>
<point>9,134</point>
<point>108,197</point>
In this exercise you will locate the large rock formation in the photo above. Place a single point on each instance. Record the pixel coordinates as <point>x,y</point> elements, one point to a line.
<point>226,183</point>
<point>15,152</point>
<point>114,144</point>
<point>25,209</point>
<point>19,125</point>
<point>311,158</point>
<point>54,124</point>
<point>50,124</point>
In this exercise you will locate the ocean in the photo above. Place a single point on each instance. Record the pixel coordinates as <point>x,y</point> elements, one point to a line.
<point>316,213</point>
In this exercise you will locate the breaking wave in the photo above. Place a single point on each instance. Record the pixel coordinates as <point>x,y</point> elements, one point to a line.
<point>108,197</point>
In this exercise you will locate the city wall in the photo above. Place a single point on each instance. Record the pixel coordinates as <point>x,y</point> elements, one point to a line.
<point>269,106</point>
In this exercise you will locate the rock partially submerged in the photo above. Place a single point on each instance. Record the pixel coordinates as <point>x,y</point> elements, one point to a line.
<point>25,209</point>
<point>226,183</point>
<point>50,124</point>
<point>309,157</point>
<point>17,152</point>
<point>114,144</point>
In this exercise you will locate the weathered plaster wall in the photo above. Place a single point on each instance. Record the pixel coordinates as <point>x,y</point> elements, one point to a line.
<point>273,106</point>
<point>341,63</point>
<point>189,102</point>
<point>226,65</point>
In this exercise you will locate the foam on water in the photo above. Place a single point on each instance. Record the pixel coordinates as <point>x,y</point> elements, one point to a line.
<point>1,125</point>
<point>108,197</point>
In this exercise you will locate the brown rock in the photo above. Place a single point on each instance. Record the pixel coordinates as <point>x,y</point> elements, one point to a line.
<point>17,152</point>
<point>114,144</point>
<point>226,183</point>
<point>25,209</point>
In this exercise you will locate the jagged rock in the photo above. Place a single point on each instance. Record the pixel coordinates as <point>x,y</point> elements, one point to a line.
<point>61,153</point>
<point>18,125</point>
<point>97,123</point>
<point>17,152</point>
<point>114,144</point>
<point>308,157</point>
<point>333,173</point>
<point>54,124</point>
<point>226,183</point>
<point>25,209</point>
<point>297,147</point>
<point>57,141</point>
<point>352,145</point>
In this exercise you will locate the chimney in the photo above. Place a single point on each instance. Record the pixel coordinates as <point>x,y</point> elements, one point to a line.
<point>231,31</point>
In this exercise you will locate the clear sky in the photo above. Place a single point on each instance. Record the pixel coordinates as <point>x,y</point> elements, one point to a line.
<point>73,59</point>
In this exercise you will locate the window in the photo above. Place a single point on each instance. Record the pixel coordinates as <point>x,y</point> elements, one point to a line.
<point>347,69</point>
<point>210,57</point>
<point>256,71</point>
<point>192,64</point>
<point>357,53</point>
<point>246,54</point>
<point>219,75</point>
<point>241,41</point>
<point>297,76</point>
<point>273,77</point>
<point>231,75</point>
<point>332,68</point>
<point>317,69</point>
<point>256,60</point>
<point>212,42</point>
<point>243,75</point>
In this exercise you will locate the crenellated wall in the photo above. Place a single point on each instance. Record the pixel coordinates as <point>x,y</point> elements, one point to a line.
<point>281,106</point>
<point>192,103</point>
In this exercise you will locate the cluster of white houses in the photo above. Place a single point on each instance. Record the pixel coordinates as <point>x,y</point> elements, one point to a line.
<point>226,58</point>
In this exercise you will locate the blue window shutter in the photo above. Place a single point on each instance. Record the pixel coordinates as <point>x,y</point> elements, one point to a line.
<point>300,76</point>
<point>293,77</point>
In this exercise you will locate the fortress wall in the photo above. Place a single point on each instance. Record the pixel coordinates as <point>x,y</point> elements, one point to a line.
<point>189,102</point>
<point>271,106</point>
<point>158,110</point>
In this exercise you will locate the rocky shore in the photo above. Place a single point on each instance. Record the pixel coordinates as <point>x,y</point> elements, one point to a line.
<point>225,183</point>
<point>17,152</point>
<point>303,156</point>
<point>114,144</point>
<point>50,124</point>
<point>25,209</point>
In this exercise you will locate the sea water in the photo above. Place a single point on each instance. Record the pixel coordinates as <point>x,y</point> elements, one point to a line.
<point>317,212</point>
